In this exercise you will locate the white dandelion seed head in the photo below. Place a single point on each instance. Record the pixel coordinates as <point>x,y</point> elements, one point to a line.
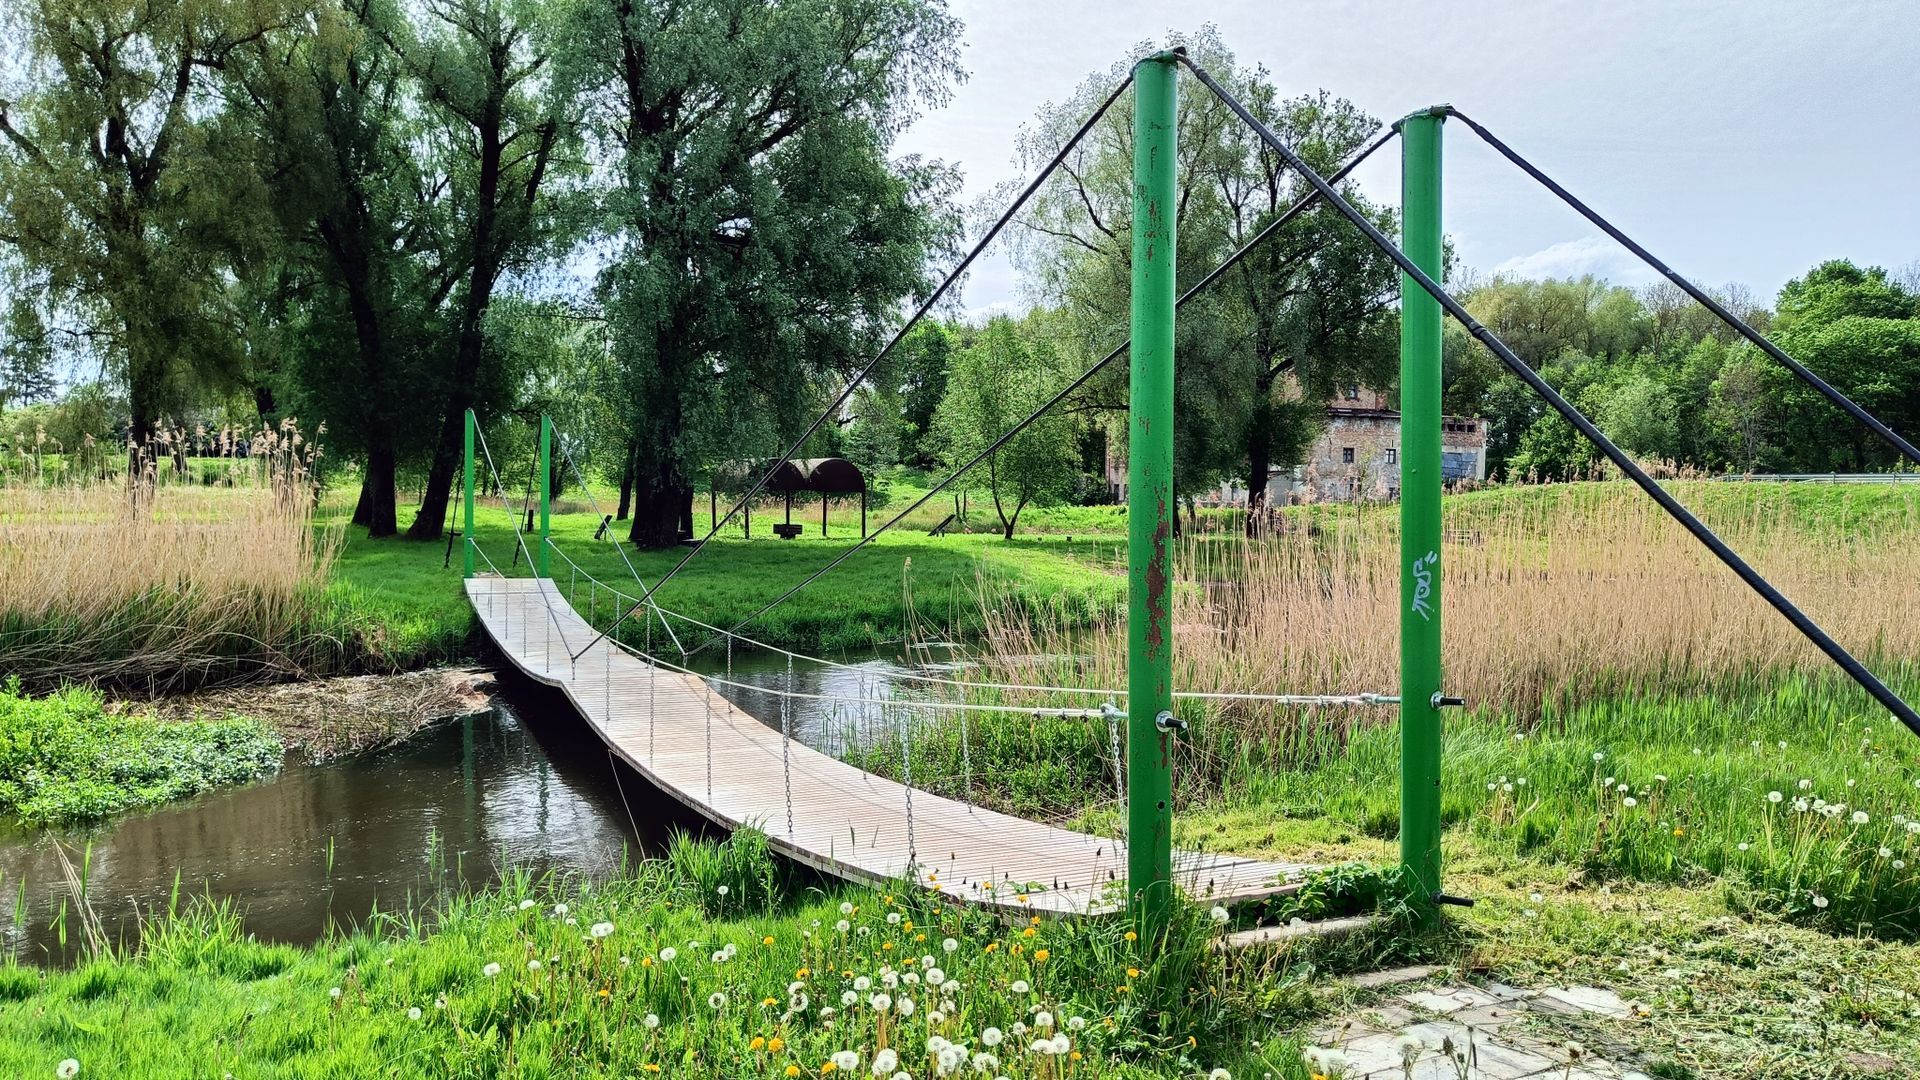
<point>846,1060</point>
<point>67,1069</point>
<point>1859,817</point>
<point>1744,846</point>
<point>1774,796</point>
<point>1410,1049</point>
<point>526,905</point>
<point>935,976</point>
<point>490,970</point>
<point>1076,1023</point>
<point>1019,986</point>
<point>601,930</point>
<point>950,945</point>
<point>1629,802</point>
<point>984,1062</point>
<point>334,993</point>
<point>893,918</point>
<point>1820,901</point>
<point>841,925</point>
<point>721,890</point>
<point>863,984</point>
<point>716,999</point>
<point>846,907</point>
<point>1019,1028</point>
<point>414,1013</point>
<point>560,911</point>
<point>880,1002</point>
<point>667,954</point>
<point>1805,784</point>
<point>1599,756</point>
<point>991,1036</point>
<point>1043,1019</point>
<point>905,1007</point>
<point>533,965</point>
<point>1218,914</point>
<point>885,1061</point>
<point>848,997</point>
<point>1219,1074</point>
<point>650,1021</point>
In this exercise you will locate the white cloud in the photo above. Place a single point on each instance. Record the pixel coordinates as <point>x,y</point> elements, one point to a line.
<point>1596,255</point>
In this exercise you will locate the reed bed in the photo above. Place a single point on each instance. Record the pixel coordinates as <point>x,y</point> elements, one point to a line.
<point>1557,593</point>
<point>168,585</point>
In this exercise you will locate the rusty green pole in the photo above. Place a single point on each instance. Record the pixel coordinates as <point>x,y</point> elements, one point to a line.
<point>544,561</point>
<point>1420,490</point>
<point>466,488</point>
<point>1150,505</point>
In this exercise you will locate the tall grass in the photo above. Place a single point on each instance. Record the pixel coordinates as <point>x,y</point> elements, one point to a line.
<point>1567,591</point>
<point>168,584</point>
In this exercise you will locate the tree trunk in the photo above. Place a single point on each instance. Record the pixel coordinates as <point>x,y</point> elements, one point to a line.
<point>1259,453</point>
<point>377,492</point>
<point>626,482</point>
<point>659,499</point>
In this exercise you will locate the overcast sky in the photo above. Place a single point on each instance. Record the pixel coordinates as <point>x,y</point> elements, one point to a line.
<point>1740,141</point>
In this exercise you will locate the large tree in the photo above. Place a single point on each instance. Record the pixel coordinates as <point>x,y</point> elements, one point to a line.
<point>1004,373</point>
<point>759,237</point>
<point>114,184</point>
<point>1316,299</point>
<point>480,66</point>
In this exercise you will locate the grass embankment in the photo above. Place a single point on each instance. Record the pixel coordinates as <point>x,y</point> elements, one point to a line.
<point>409,606</point>
<point>66,757</point>
<point>1636,714</point>
<point>703,965</point>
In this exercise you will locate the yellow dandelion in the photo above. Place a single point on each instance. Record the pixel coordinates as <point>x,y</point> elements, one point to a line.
<point>827,1067</point>
<point>757,1043</point>
<point>1133,973</point>
<point>769,1002</point>
<point>1040,956</point>
<point>793,1070</point>
<point>992,946</point>
<point>650,1067</point>
<point>1028,932</point>
<point>802,973</point>
<point>646,961</point>
<point>776,1044</point>
<point>1131,936</point>
<point>888,947</point>
<point>768,940</point>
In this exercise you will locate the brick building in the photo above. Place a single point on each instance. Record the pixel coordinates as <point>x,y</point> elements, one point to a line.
<point>1356,457</point>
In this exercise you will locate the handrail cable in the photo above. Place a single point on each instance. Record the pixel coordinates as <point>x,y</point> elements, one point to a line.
<point>1674,508</point>
<point>1740,325</point>
<point>1299,207</point>
<point>615,541</point>
<point>932,299</point>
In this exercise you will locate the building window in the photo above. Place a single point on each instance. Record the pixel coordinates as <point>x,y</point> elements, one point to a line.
<point>1346,455</point>
<point>1393,455</point>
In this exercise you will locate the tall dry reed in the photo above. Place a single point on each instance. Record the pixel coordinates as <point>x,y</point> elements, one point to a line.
<point>166,584</point>
<point>1570,590</point>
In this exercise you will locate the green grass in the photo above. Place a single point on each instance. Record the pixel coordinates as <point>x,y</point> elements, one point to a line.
<point>65,758</point>
<point>407,608</point>
<point>684,980</point>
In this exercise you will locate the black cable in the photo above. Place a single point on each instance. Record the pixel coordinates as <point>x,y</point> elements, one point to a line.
<point>899,335</point>
<point>1299,207</point>
<point>1806,375</point>
<point>1807,627</point>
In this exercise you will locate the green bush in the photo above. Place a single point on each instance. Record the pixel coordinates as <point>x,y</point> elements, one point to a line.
<point>65,757</point>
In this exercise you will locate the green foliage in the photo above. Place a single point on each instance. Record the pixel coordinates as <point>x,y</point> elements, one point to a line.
<point>65,758</point>
<point>733,879</point>
<point>1005,373</point>
<point>546,977</point>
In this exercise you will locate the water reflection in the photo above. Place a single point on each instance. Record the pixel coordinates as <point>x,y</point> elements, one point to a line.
<point>523,786</point>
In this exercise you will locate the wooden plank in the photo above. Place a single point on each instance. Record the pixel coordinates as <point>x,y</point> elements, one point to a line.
<point>706,752</point>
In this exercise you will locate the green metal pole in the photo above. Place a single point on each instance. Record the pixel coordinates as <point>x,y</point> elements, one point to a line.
<point>1420,488</point>
<point>466,498</point>
<point>545,560</point>
<point>1150,505</point>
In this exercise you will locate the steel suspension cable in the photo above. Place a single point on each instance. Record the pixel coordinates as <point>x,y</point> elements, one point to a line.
<point>899,335</point>
<point>1855,670</point>
<point>1300,206</point>
<point>1806,375</point>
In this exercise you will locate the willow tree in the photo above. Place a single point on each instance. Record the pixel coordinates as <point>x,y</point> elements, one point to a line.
<point>759,238</point>
<point>115,190</point>
<point>1316,299</point>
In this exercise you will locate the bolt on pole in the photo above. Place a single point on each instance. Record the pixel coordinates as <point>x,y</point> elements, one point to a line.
<point>545,559</point>
<point>1150,498</point>
<point>1420,491</point>
<point>466,489</point>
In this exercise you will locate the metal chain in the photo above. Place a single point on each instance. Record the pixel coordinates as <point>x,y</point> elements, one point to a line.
<point>1113,749</point>
<point>653,719</point>
<point>966,761</point>
<point>786,744</point>
<point>906,769</point>
<point>706,699</point>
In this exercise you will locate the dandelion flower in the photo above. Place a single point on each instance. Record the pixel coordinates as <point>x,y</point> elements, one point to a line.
<point>880,1002</point>
<point>1219,1074</point>
<point>1019,986</point>
<point>846,907</point>
<point>533,965</point>
<point>885,1061</point>
<point>846,1060</point>
<point>1860,817</point>
<point>650,1021</point>
<point>334,993</point>
<point>601,930</point>
<point>1819,901</point>
<point>1774,796</point>
<point>1076,1023</point>
<point>1599,756</point>
<point>991,1036</point>
<point>667,954</point>
<point>1043,1019</point>
<point>526,905</point>
<point>414,1013</point>
<point>1410,1049</point>
<point>721,890</point>
<point>716,999</point>
<point>950,945</point>
<point>841,925</point>
<point>67,1069</point>
<point>490,970</point>
<point>1629,802</point>
<point>560,911</point>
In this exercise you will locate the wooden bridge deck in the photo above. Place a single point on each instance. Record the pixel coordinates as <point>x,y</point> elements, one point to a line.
<point>696,746</point>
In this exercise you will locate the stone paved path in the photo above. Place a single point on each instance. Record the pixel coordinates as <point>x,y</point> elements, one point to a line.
<point>1471,1032</point>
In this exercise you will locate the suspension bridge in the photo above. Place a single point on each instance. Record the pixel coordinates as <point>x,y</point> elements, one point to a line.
<point>674,727</point>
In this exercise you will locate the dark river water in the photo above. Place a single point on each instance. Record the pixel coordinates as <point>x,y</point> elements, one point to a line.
<point>526,785</point>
